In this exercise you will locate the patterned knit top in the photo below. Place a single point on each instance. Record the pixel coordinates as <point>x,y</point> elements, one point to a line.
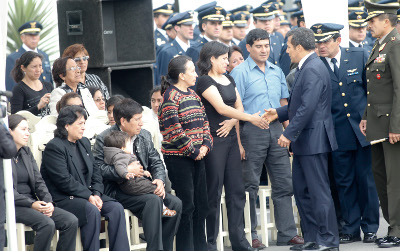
<point>183,124</point>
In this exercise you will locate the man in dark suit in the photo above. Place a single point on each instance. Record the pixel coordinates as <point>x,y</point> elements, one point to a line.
<point>351,162</point>
<point>159,232</point>
<point>311,135</point>
<point>7,150</point>
<point>30,38</point>
<point>382,115</point>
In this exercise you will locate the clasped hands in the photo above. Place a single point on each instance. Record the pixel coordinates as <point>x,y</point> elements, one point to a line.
<point>271,115</point>
<point>45,208</point>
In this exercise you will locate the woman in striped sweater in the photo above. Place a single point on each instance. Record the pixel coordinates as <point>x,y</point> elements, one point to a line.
<point>186,140</point>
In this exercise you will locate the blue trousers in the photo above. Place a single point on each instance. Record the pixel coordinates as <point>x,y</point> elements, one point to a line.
<point>355,185</point>
<point>314,200</point>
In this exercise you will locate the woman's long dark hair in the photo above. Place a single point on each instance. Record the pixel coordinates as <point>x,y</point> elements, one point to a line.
<point>59,68</point>
<point>176,66</point>
<point>210,49</point>
<point>24,60</point>
<point>68,115</point>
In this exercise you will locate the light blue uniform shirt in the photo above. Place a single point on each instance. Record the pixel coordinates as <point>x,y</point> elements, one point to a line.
<point>259,90</point>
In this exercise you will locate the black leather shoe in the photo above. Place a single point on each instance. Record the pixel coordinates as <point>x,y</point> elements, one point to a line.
<point>390,241</point>
<point>379,240</point>
<point>369,237</point>
<point>305,246</point>
<point>251,249</point>
<point>323,248</point>
<point>348,238</point>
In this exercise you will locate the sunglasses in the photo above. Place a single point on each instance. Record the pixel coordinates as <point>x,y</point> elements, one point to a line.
<point>85,58</point>
<point>74,68</point>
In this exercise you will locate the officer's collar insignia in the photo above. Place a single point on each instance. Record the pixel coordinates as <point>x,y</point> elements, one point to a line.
<point>382,47</point>
<point>345,60</point>
<point>393,38</point>
<point>351,71</point>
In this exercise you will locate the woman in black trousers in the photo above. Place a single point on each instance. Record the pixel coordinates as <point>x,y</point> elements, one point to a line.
<point>34,205</point>
<point>76,184</point>
<point>223,168</point>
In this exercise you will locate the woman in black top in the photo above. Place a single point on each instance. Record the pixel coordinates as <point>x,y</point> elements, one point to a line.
<point>30,93</point>
<point>223,168</point>
<point>34,205</point>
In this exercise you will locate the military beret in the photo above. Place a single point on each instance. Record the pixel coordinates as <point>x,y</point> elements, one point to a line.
<point>166,9</point>
<point>31,27</point>
<point>325,31</point>
<point>375,9</point>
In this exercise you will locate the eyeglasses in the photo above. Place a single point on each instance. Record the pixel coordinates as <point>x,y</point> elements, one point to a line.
<point>84,58</point>
<point>74,68</point>
<point>100,99</point>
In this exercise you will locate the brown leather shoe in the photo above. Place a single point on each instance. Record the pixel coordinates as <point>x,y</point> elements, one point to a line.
<point>297,240</point>
<point>256,243</point>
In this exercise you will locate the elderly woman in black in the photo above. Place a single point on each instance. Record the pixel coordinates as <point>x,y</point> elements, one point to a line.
<point>34,205</point>
<point>223,168</point>
<point>76,184</point>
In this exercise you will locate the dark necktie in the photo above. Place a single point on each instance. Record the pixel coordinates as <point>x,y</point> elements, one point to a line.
<point>335,68</point>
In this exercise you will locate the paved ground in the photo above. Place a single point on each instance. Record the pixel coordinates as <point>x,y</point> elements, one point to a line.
<point>357,246</point>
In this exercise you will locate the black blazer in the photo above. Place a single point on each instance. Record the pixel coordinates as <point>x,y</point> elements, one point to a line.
<point>36,182</point>
<point>66,183</point>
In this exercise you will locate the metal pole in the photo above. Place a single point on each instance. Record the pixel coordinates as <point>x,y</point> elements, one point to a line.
<point>8,183</point>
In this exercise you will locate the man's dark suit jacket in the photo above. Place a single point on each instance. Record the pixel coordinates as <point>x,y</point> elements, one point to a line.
<point>36,183</point>
<point>309,110</point>
<point>64,178</point>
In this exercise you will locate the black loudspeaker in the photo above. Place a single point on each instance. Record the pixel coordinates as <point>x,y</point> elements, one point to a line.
<point>133,81</point>
<point>115,32</point>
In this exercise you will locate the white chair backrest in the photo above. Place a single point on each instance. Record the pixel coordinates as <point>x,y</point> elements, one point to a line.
<point>45,122</point>
<point>32,119</point>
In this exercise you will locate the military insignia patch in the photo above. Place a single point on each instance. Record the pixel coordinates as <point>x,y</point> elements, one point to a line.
<point>319,31</point>
<point>382,47</point>
<point>380,59</point>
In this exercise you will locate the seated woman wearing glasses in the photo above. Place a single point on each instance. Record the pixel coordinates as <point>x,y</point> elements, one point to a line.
<point>98,98</point>
<point>66,75</point>
<point>81,56</point>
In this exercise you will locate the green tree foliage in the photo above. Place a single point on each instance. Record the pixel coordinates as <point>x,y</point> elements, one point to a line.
<point>22,11</point>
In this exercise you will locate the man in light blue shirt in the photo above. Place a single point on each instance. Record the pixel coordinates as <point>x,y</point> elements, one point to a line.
<point>262,85</point>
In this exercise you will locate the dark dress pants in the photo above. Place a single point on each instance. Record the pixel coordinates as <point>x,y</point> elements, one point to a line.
<point>188,179</point>
<point>45,227</point>
<point>356,188</point>
<point>114,213</point>
<point>159,232</point>
<point>223,168</point>
<point>385,167</point>
<point>314,200</point>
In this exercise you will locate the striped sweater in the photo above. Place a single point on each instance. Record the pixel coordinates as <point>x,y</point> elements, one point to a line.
<point>183,124</point>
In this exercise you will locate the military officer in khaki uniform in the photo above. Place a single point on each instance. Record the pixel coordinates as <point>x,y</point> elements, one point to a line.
<point>382,115</point>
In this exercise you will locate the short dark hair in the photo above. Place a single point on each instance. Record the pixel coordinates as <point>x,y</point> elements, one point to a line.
<point>64,100</point>
<point>176,66</point>
<point>302,36</point>
<point>209,50</point>
<point>113,100</point>
<point>234,48</point>
<point>154,90</point>
<point>256,35</point>
<point>336,36</point>
<point>392,18</point>
<point>126,109</point>
<point>68,115</point>
<point>116,139</point>
<point>59,68</point>
<point>24,60</point>
<point>14,120</point>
